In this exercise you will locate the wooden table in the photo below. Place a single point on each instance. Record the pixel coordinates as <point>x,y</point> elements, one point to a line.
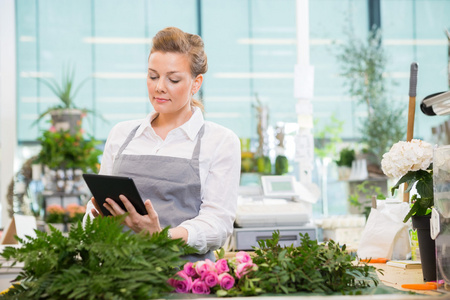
<point>395,277</point>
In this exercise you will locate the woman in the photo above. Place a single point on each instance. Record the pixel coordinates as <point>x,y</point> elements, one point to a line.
<point>188,169</point>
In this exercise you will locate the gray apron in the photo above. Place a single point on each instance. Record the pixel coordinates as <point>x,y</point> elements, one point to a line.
<point>171,183</point>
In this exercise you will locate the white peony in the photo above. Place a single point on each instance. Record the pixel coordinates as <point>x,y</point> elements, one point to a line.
<point>407,156</point>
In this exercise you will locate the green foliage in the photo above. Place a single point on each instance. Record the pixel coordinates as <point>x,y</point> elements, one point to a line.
<point>384,127</point>
<point>367,190</point>
<point>63,150</point>
<point>424,199</point>
<point>327,138</point>
<point>99,261</point>
<point>363,64</point>
<point>54,218</point>
<point>346,157</point>
<point>65,91</point>
<point>264,165</point>
<point>310,267</point>
<point>281,165</point>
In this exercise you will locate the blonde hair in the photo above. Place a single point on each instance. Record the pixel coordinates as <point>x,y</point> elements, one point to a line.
<point>172,39</point>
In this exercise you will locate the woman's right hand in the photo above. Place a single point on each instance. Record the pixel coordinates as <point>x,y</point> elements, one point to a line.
<point>96,211</point>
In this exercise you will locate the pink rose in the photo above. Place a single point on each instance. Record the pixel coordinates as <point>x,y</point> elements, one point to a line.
<point>181,286</point>
<point>243,269</point>
<point>211,279</point>
<point>243,257</point>
<point>189,269</point>
<point>222,266</point>
<point>211,264</point>
<point>226,281</point>
<point>202,267</point>
<point>200,287</point>
<point>52,129</point>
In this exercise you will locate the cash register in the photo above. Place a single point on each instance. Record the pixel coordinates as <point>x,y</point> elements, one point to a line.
<point>278,203</point>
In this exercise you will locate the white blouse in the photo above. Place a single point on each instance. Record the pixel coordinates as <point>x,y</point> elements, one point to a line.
<point>220,165</point>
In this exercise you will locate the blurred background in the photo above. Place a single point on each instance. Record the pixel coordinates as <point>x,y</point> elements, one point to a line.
<point>252,50</point>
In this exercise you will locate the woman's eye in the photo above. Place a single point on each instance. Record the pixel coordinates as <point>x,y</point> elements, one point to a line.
<point>152,77</point>
<point>174,81</point>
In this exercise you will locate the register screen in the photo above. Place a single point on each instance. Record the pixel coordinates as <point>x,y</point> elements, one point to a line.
<point>279,186</point>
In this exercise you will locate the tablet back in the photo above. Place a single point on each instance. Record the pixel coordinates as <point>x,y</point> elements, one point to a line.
<point>108,186</point>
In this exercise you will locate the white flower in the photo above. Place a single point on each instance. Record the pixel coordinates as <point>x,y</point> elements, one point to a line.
<point>407,156</point>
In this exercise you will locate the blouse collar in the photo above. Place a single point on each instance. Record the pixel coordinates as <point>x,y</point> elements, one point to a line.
<point>190,128</point>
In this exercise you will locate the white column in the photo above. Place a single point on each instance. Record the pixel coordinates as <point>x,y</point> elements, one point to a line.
<point>8,136</point>
<point>303,92</point>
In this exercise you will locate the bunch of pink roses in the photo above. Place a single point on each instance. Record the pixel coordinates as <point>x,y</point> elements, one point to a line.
<point>205,276</point>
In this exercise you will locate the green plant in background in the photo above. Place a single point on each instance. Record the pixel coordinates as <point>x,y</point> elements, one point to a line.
<point>263,163</point>
<point>98,261</point>
<point>328,137</point>
<point>55,214</point>
<point>281,165</point>
<point>363,64</point>
<point>63,150</point>
<point>382,129</point>
<point>366,190</point>
<point>65,91</point>
<point>346,157</point>
<point>310,267</point>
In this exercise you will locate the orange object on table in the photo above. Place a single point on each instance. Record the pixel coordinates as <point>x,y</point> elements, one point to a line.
<point>421,286</point>
<point>375,260</point>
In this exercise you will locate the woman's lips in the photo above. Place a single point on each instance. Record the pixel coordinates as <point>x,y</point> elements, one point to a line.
<point>161,100</point>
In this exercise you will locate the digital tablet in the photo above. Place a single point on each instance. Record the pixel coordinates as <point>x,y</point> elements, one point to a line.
<point>108,186</point>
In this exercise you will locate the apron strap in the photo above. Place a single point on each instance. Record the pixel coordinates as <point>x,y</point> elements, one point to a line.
<point>196,153</point>
<point>128,140</point>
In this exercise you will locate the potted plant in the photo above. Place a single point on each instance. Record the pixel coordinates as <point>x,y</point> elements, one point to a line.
<point>413,163</point>
<point>344,163</point>
<point>55,215</point>
<point>65,157</point>
<point>63,150</point>
<point>75,212</point>
<point>65,115</point>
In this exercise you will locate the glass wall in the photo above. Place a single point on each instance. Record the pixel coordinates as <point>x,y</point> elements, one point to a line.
<point>251,50</point>
<point>251,47</point>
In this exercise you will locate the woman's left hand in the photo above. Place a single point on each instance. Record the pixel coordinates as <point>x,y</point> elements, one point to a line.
<point>135,220</point>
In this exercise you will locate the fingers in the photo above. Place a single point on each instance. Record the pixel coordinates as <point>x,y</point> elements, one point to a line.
<point>130,207</point>
<point>113,207</point>
<point>94,213</point>
<point>97,208</point>
<point>152,214</point>
<point>154,225</point>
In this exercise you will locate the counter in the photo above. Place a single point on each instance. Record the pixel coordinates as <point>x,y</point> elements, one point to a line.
<point>392,278</point>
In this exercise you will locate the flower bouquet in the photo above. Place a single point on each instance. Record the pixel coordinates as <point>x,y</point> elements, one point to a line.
<point>412,162</point>
<point>275,269</point>
<point>204,277</point>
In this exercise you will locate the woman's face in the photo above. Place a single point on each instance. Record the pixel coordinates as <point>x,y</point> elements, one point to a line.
<point>170,83</point>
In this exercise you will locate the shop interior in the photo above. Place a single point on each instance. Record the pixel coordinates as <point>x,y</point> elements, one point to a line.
<point>318,92</point>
